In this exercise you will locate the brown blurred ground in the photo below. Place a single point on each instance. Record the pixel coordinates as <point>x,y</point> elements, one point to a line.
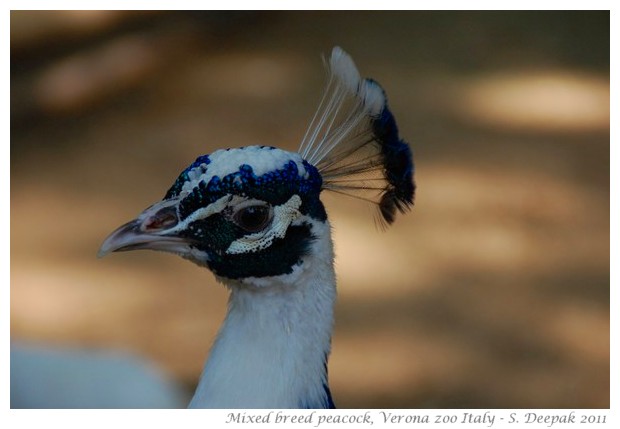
<point>493,292</point>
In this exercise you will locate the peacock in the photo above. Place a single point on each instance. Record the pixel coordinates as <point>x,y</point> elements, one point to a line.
<point>253,216</point>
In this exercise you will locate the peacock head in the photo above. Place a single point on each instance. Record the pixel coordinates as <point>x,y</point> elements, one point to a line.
<point>244,213</point>
<point>254,212</point>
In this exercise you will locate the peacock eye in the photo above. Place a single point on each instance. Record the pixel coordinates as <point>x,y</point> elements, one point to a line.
<point>253,218</point>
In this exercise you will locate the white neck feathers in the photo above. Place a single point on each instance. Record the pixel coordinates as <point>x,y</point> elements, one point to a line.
<point>272,348</point>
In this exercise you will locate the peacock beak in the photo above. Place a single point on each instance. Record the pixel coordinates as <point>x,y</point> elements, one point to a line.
<point>153,229</point>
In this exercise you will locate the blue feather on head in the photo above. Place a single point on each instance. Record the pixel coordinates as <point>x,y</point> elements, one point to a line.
<point>398,165</point>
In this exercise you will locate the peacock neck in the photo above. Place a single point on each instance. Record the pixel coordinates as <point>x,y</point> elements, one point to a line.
<point>272,349</point>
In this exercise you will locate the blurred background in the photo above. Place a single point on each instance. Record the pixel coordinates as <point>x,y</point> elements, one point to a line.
<point>492,293</point>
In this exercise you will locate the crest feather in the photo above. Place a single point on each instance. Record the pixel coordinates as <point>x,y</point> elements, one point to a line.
<point>353,141</point>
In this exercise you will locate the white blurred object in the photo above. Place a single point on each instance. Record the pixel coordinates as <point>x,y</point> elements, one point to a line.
<point>45,376</point>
